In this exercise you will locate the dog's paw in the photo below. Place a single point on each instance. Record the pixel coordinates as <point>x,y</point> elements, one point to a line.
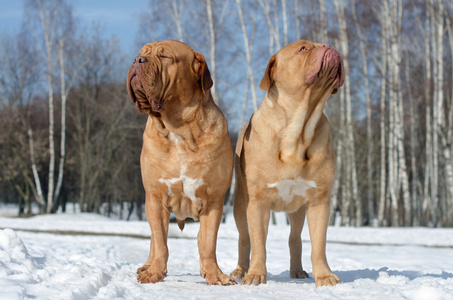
<point>239,273</point>
<point>219,279</point>
<point>149,276</point>
<point>300,274</point>
<point>327,280</point>
<point>142,269</point>
<point>146,275</point>
<point>254,279</point>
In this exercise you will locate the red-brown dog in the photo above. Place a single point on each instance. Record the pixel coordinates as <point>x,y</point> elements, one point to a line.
<point>186,159</point>
<point>285,160</point>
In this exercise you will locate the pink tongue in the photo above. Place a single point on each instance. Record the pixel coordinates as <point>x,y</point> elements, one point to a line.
<point>334,59</point>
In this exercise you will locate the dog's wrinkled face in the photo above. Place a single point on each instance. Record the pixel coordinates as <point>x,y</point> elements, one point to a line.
<point>164,74</point>
<point>304,64</point>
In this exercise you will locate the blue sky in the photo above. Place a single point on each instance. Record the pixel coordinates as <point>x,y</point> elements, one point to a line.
<point>118,17</point>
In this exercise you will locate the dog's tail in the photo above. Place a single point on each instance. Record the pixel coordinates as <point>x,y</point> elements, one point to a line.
<point>181,224</point>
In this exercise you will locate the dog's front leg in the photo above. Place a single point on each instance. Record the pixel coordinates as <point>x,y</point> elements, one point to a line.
<point>158,217</point>
<point>318,220</point>
<point>258,215</point>
<point>207,240</point>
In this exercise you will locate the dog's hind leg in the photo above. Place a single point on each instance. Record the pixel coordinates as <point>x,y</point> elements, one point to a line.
<point>207,242</point>
<point>240,217</point>
<point>296,220</point>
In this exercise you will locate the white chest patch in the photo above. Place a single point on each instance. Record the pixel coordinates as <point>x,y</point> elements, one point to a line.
<point>189,185</point>
<point>289,188</point>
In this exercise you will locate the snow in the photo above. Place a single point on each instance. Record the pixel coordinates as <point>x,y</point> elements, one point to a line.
<point>73,263</point>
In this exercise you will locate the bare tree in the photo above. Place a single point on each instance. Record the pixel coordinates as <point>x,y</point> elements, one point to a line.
<point>212,44</point>
<point>437,30</point>
<point>447,137</point>
<point>382,175</point>
<point>339,167</point>
<point>18,78</point>
<point>64,31</point>
<point>47,16</point>
<point>285,23</point>
<point>248,55</point>
<point>273,31</point>
<point>55,23</point>
<point>369,134</point>
<point>351,171</point>
<point>323,21</point>
<point>176,10</point>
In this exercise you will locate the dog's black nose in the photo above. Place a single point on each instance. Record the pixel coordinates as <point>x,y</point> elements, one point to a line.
<point>140,59</point>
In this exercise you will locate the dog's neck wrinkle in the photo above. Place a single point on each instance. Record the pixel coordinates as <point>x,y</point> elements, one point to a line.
<point>159,125</point>
<point>302,116</point>
<point>315,115</point>
<point>190,117</point>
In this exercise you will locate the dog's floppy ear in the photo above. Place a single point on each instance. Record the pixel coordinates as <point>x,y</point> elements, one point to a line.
<point>267,81</point>
<point>201,68</point>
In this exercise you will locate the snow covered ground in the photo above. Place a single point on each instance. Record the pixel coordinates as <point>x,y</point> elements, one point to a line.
<point>72,263</point>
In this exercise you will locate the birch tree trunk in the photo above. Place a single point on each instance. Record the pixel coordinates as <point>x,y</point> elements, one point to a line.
<point>323,37</point>
<point>248,55</point>
<point>175,12</point>
<point>64,91</point>
<point>399,118</point>
<point>48,28</point>
<point>276,25</point>
<point>446,150</point>
<point>398,178</point>
<point>447,140</point>
<point>40,195</point>
<point>392,185</point>
<point>427,182</point>
<point>273,31</point>
<point>285,23</point>
<point>439,84</point>
<point>339,169</point>
<point>297,18</point>
<point>369,134</point>
<point>427,204</point>
<point>63,121</point>
<point>383,163</point>
<point>386,19</point>
<point>350,147</point>
<point>435,127</point>
<point>212,44</point>
<point>413,146</point>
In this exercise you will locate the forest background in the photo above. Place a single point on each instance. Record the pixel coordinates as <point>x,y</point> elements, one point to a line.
<point>70,134</point>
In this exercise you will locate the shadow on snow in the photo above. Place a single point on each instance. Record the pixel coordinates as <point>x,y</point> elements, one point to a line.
<point>353,275</point>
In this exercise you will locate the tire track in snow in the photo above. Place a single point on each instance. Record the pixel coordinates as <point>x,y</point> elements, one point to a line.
<point>137,236</point>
